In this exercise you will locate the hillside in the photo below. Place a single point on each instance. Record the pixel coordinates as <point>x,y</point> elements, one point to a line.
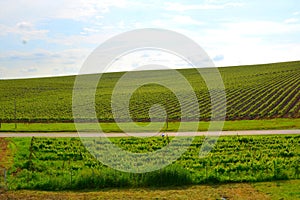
<point>253,92</point>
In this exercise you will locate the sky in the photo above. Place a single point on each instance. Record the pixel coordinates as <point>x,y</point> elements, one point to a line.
<point>53,38</point>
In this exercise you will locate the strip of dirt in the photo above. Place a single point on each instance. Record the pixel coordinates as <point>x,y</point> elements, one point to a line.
<point>3,162</point>
<point>3,152</point>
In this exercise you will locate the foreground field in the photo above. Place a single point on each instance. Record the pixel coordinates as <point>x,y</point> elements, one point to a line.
<point>252,92</point>
<point>64,163</point>
<point>287,190</point>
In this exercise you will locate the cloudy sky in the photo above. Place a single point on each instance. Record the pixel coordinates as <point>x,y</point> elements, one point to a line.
<point>49,38</point>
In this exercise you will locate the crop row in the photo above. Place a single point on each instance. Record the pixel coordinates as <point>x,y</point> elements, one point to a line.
<point>262,91</point>
<point>67,162</point>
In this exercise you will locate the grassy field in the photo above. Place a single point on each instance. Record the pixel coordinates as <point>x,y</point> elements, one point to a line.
<point>280,189</point>
<point>64,163</point>
<point>252,92</point>
<point>287,190</point>
<point>270,124</point>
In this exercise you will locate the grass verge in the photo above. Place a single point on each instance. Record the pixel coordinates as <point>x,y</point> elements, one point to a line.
<point>228,191</point>
<point>280,189</point>
<point>270,124</point>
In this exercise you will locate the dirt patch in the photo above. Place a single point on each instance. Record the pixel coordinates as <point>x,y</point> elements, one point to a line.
<point>3,159</point>
<point>241,191</point>
<point>3,152</point>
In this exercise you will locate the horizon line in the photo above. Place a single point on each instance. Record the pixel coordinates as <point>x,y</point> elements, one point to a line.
<point>69,75</point>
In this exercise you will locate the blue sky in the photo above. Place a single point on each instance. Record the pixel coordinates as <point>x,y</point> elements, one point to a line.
<point>50,38</point>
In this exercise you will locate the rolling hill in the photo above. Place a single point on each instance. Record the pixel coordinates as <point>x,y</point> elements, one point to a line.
<point>252,92</point>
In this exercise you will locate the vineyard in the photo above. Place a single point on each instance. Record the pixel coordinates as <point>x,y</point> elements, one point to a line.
<point>252,92</point>
<point>64,163</point>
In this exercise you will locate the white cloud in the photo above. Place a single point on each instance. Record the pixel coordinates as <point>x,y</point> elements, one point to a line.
<point>291,20</point>
<point>172,21</point>
<point>121,24</point>
<point>38,55</point>
<point>41,63</point>
<point>24,26</point>
<point>87,31</point>
<point>186,20</point>
<point>25,30</point>
<point>28,32</point>
<point>148,60</point>
<point>296,13</point>
<point>258,53</point>
<point>261,28</point>
<point>32,10</point>
<point>249,42</point>
<point>89,37</point>
<point>174,6</point>
<point>29,70</point>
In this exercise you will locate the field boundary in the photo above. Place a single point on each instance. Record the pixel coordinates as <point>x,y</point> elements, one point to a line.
<point>88,134</point>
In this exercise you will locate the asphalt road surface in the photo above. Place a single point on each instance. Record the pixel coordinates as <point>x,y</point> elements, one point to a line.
<point>89,134</point>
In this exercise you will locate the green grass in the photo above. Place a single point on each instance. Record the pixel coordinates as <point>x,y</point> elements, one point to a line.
<point>64,163</point>
<point>280,189</point>
<point>271,124</point>
<point>208,192</point>
<point>252,92</point>
<point>288,190</point>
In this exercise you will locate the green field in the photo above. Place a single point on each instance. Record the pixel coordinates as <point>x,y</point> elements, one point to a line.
<point>64,163</point>
<point>252,92</point>
<point>265,124</point>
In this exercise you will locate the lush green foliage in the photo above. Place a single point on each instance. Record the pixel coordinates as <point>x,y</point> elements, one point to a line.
<point>261,91</point>
<point>64,163</point>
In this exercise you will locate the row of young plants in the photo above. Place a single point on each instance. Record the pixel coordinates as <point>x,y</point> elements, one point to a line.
<point>262,91</point>
<point>261,100</point>
<point>64,163</point>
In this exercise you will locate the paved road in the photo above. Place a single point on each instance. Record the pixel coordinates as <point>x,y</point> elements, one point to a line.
<point>228,133</point>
